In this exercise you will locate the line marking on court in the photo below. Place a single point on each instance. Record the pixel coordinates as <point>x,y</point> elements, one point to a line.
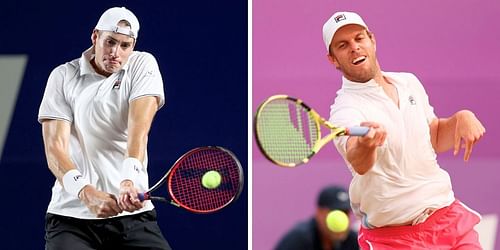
<point>12,69</point>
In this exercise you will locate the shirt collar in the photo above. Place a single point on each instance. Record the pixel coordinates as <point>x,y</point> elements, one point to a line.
<point>351,85</point>
<point>85,66</point>
<point>370,85</point>
<point>88,55</point>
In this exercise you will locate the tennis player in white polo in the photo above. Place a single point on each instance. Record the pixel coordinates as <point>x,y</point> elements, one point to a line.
<point>399,192</point>
<point>96,114</point>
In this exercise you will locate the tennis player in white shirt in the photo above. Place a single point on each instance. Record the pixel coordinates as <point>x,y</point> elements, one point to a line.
<point>398,190</point>
<point>96,114</point>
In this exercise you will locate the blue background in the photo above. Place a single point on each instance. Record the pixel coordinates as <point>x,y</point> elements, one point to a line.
<point>201,47</point>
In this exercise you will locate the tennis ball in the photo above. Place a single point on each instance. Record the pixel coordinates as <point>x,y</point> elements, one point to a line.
<point>337,221</point>
<point>211,179</point>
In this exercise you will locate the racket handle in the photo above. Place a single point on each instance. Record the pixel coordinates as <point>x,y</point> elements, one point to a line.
<point>143,196</point>
<point>357,131</point>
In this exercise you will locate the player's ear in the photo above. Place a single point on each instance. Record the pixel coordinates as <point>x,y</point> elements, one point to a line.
<point>333,60</point>
<point>93,37</point>
<point>372,37</point>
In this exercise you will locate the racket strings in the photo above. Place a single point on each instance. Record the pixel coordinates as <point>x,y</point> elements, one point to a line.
<point>286,131</point>
<point>186,186</point>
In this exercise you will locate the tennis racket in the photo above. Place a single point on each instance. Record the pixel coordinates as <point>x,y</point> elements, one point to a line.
<point>184,181</point>
<point>288,132</point>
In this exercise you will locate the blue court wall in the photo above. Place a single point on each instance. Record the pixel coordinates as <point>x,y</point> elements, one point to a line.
<point>201,48</point>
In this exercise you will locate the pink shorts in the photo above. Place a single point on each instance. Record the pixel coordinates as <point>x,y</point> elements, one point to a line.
<point>450,227</point>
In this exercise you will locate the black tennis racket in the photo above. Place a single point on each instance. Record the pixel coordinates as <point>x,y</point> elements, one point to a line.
<point>184,180</point>
<point>288,132</point>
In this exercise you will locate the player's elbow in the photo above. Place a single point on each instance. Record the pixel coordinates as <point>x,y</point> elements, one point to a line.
<point>361,170</point>
<point>440,149</point>
<point>361,165</point>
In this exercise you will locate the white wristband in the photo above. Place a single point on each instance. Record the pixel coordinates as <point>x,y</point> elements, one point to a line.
<point>131,168</point>
<point>73,182</point>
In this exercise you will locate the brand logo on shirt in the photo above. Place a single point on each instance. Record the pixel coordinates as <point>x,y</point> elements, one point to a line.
<point>412,101</point>
<point>117,84</point>
<point>339,18</point>
<point>118,81</point>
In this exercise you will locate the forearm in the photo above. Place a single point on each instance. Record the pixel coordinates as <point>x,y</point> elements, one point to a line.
<point>443,131</point>
<point>56,137</point>
<point>56,134</point>
<point>140,117</point>
<point>137,142</point>
<point>360,157</point>
<point>59,163</point>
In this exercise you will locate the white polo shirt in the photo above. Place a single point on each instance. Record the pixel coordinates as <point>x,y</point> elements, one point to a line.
<point>406,178</point>
<point>97,108</point>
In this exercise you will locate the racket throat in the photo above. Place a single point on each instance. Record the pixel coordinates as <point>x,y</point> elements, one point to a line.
<point>155,198</point>
<point>174,203</point>
<point>162,199</point>
<point>322,142</point>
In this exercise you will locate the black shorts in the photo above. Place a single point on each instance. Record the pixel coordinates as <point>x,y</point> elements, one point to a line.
<point>139,231</point>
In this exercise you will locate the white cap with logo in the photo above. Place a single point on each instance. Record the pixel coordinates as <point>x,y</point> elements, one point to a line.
<point>337,21</point>
<point>111,17</point>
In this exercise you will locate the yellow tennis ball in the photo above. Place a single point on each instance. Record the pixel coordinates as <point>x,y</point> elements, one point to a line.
<point>211,179</point>
<point>337,221</point>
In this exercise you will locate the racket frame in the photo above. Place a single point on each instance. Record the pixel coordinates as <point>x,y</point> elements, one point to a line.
<point>318,121</point>
<point>173,199</point>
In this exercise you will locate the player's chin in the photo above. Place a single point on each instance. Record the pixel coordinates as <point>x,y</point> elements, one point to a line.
<point>362,76</point>
<point>113,68</point>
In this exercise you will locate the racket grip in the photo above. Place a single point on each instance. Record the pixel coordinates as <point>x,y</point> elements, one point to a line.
<point>357,131</point>
<point>143,196</point>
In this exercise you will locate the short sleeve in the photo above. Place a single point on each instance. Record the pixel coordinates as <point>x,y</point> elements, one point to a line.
<point>146,78</point>
<point>344,116</point>
<point>54,103</point>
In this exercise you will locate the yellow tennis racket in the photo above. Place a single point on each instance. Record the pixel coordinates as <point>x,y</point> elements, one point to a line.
<point>288,132</point>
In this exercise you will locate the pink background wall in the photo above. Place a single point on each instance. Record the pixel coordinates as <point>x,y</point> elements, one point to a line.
<point>453,46</point>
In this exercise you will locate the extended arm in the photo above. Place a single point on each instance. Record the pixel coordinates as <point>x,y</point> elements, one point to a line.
<point>462,127</point>
<point>362,151</point>
<point>56,139</point>
<point>56,134</point>
<point>140,117</point>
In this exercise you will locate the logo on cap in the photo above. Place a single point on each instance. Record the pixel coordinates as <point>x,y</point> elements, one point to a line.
<point>339,18</point>
<point>125,31</point>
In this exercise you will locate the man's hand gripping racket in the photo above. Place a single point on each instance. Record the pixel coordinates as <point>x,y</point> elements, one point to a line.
<point>288,132</point>
<point>203,180</point>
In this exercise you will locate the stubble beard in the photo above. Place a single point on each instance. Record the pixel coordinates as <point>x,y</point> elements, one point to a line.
<point>360,75</point>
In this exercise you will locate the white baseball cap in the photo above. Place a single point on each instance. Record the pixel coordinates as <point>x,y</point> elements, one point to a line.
<point>111,17</point>
<point>337,21</point>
